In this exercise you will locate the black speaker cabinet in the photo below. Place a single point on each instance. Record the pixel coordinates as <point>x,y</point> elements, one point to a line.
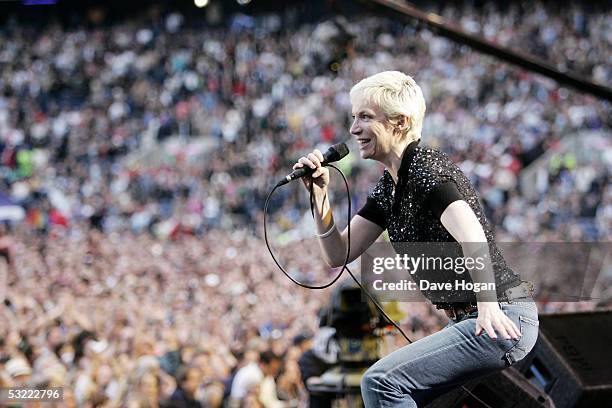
<point>506,389</point>
<point>572,359</point>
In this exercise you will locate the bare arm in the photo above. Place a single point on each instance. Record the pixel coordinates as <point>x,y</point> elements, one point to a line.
<point>333,244</point>
<point>461,222</point>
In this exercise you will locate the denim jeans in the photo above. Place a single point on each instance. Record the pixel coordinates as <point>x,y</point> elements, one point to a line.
<point>420,372</point>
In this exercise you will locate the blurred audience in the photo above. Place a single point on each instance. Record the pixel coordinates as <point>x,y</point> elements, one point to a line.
<point>142,153</point>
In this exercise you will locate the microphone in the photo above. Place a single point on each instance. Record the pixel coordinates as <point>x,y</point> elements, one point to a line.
<point>333,154</point>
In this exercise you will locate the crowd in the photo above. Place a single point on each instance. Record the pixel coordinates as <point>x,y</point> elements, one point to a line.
<point>146,282</point>
<point>121,316</point>
<point>75,102</point>
<point>574,40</point>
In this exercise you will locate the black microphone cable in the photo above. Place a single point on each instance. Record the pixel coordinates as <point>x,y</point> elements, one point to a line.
<point>344,266</point>
<point>346,258</point>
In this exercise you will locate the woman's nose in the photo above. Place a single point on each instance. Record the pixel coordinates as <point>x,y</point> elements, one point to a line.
<point>355,129</point>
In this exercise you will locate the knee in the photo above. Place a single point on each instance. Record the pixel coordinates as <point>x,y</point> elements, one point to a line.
<point>375,382</point>
<point>370,381</point>
<point>377,387</point>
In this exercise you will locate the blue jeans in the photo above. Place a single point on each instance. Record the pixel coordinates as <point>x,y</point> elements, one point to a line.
<point>420,372</point>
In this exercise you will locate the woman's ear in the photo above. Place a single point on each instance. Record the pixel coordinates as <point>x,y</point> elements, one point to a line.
<point>403,124</point>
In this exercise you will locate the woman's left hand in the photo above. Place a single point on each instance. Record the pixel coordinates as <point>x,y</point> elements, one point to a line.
<point>491,319</point>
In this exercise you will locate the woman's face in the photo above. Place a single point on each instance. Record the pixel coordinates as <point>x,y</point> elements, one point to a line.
<point>372,130</point>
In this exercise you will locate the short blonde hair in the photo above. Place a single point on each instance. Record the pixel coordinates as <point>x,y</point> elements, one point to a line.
<point>396,94</point>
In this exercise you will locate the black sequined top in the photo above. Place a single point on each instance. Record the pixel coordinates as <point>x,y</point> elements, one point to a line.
<point>428,181</point>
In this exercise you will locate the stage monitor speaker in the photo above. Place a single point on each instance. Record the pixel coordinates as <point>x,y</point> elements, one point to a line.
<point>572,359</point>
<point>505,389</point>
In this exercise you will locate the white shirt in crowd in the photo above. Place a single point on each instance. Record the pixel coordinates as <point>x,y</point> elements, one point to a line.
<point>246,377</point>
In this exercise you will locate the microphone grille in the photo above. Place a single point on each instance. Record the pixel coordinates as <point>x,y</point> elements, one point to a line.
<point>341,150</point>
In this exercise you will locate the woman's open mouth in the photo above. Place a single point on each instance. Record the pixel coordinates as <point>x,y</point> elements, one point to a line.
<point>363,142</point>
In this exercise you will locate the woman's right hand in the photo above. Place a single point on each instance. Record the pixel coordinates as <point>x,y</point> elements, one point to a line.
<point>320,177</point>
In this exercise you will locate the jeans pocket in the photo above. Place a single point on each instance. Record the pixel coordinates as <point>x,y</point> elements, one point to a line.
<point>529,334</point>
